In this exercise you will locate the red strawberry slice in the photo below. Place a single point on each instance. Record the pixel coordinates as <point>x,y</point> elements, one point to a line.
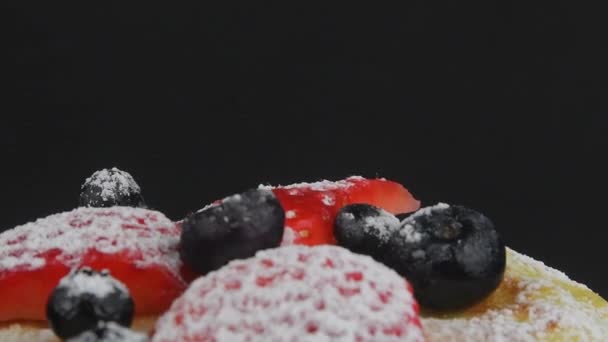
<point>295,293</point>
<point>311,208</point>
<point>138,246</point>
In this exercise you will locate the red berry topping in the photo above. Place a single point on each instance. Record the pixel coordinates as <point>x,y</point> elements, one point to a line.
<point>310,208</point>
<point>138,247</point>
<point>295,293</point>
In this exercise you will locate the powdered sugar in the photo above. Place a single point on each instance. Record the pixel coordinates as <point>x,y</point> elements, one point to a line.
<point>289,214</point>
<point>289,236</point>
<point>328,200</point>
<point>323,185</point>
<point>427,210</point>
<point>295,293</point>
<point>410,234</point>
<point>112,183</point>
<point>148,236</point>
<point>544,307</point>
<point>408,230</point>
<point>112,332</point>
<point>382,226</point>
<point>97,284</point>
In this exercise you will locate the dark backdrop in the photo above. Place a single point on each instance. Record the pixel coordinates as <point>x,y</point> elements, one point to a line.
<point>498,106</point>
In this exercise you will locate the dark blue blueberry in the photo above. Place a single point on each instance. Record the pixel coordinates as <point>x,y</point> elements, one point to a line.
<point>402,217</point>
<point>452,255</point>
<point>83,299</point>
<point>111,187</point>
<point>109,332</point>
<point>364,229</point>
<point>237,228</point>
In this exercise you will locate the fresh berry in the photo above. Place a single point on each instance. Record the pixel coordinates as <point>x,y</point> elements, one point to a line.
<point>403,216</point>
<point>109,332</point>
<point>295,293</point>
<point>236,228</point>
<point>452,255</point>
<point>84,298</point>
<point>111,187</point>
<point>364,228</point>
<point>311,208</point>
<point>138,246</point>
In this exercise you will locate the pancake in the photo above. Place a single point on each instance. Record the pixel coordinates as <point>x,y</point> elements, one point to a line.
<point>533,303</point>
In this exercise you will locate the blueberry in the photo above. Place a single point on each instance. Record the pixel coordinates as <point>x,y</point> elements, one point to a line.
<point>403,216</point>
<point>109,332</point>
<point>237,228</point>
<point>86,297</point>
<point>452,255</point>
<point>364,229</point>
<point>111,187</point>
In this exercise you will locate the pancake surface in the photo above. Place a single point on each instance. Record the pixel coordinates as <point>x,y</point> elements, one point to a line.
<point>533,303</point>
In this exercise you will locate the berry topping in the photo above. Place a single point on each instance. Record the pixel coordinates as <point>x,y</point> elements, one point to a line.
<point>138,246</point>
<point>111,187</point>
<point>364,228</point>
<point>235,228</point>
<point>295,293</point>
<point>84,298</point>
<point>109,332</point>
<point>452,255</point>
<point>311,208</point>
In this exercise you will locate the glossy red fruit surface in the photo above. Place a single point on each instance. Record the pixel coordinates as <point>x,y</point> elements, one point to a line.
<point>310,208</point>
<point>138,247</point>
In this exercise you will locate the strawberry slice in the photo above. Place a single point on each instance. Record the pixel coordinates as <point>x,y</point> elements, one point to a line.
<point>138,247</point>
<point>310,208</point>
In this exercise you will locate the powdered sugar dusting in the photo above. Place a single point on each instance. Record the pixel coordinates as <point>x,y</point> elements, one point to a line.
<point>545,307</point>
<point>97,284</point>
<point>328,200</point>
<point>295,293</point>
<point>410,234</point>
<point>382,226</point>
<point>427,210</point>
<point>147,236</point>
<point>323,185</point>
<point>408,231</point>
<point>289,236</point>
<point>111,183</point>
<point>113,332</point>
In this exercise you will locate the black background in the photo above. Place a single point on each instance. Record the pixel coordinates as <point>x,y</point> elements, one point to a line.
<point>495,105</point>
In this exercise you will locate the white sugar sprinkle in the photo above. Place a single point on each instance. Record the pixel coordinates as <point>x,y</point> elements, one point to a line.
<point>428,210</point>
<point>231,305</point>
<point>382,225</point>
<point>289,236</point>
<point>78,283</point>
<point>408,230</point>
<point>290,214</point>
<point>545,303</point>
<point>323,185</point>
<point>409,233</point>
<point>111,183</point>
<point>149,235</point>
<point>114,332</point>
<point>328,200</point>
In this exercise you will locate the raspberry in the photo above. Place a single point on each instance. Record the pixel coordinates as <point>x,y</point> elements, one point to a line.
<point>295,293</point>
